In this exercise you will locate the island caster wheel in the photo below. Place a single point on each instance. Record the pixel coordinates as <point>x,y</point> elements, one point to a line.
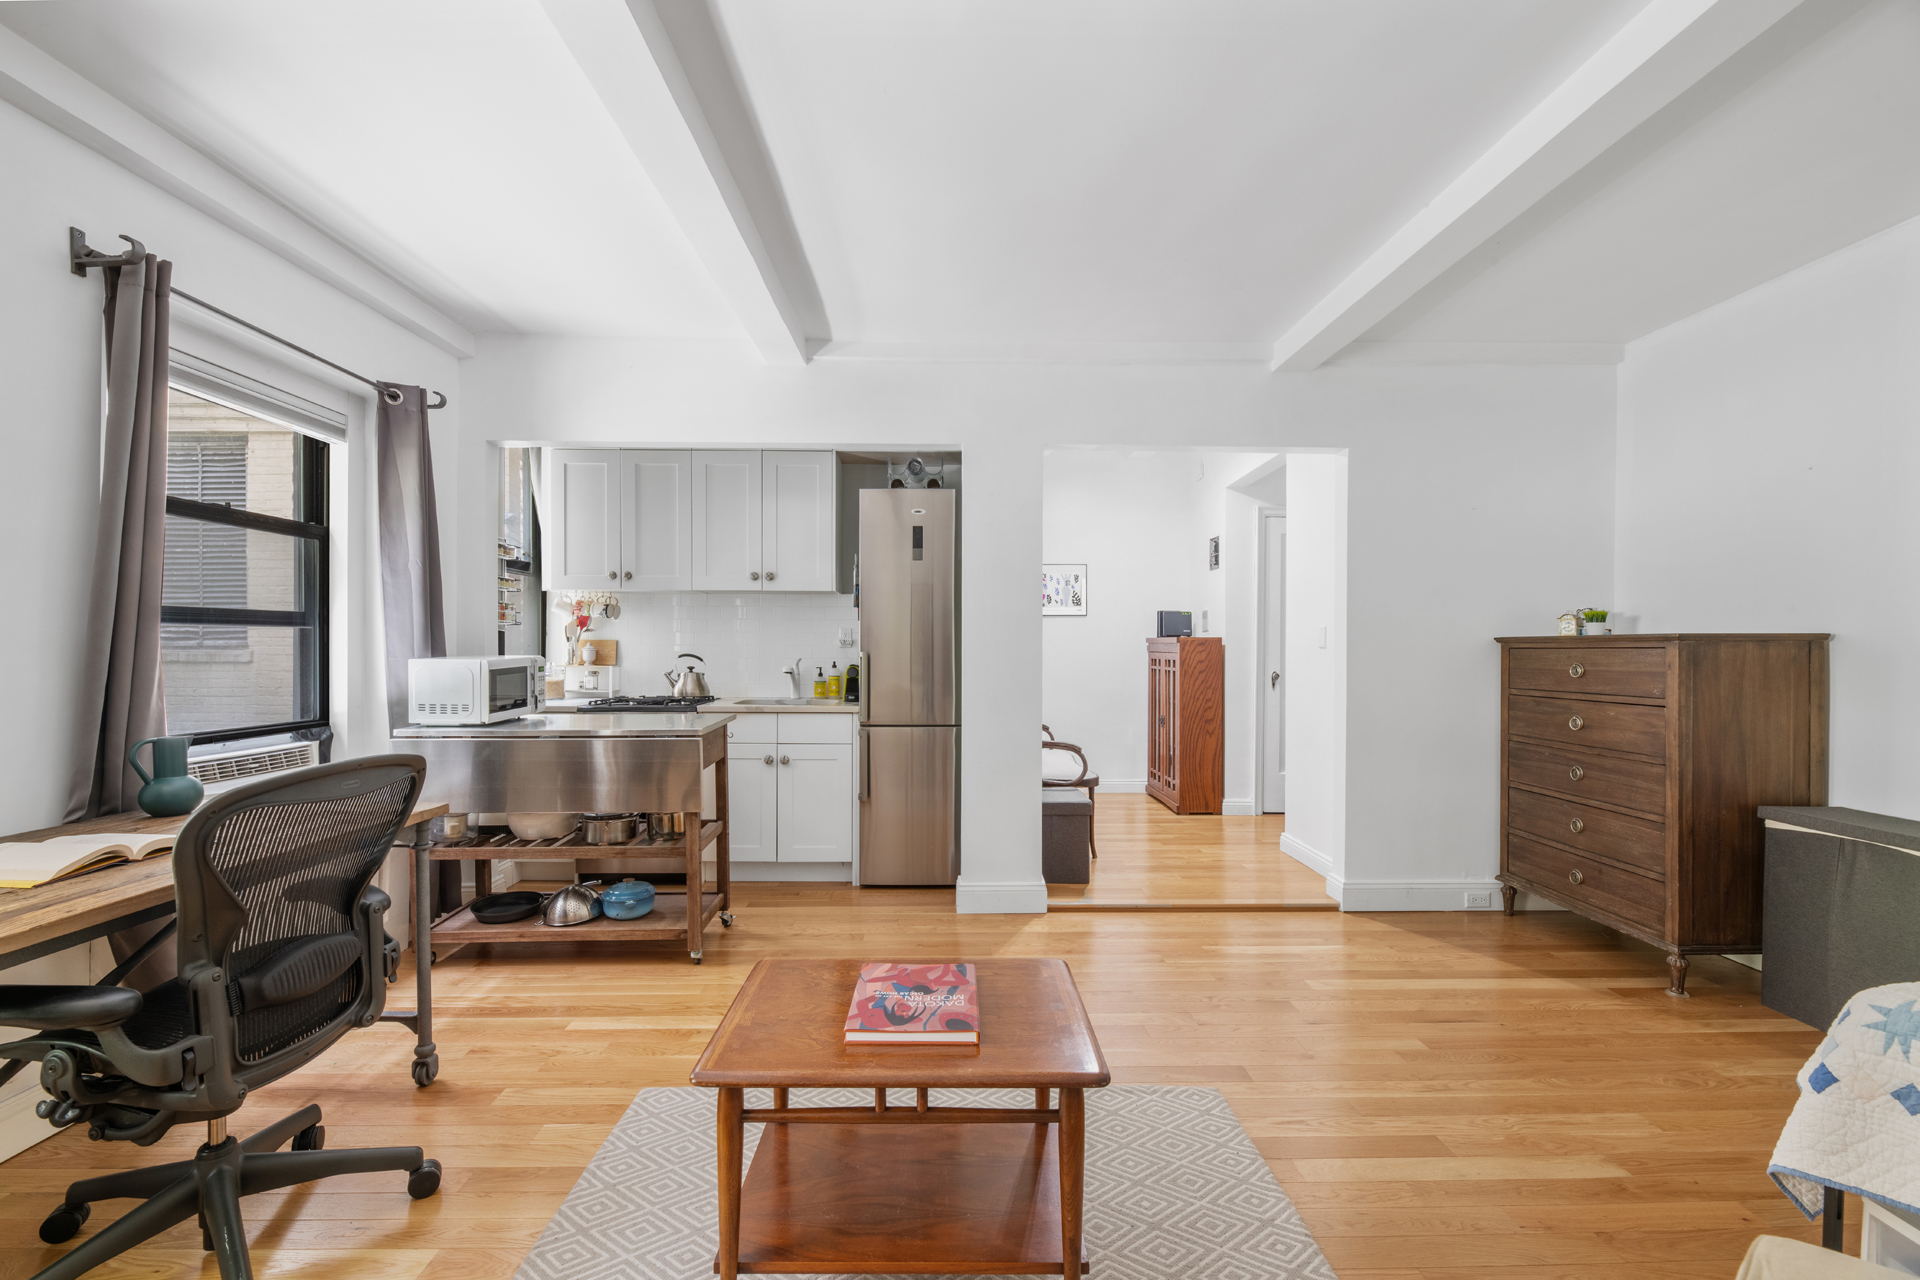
<point>425,1180</point>
<point>695,955</point>
<point>64,1223</point>
<point>726,919</point>
<point>425,1069</point>
<point>311,1138</point>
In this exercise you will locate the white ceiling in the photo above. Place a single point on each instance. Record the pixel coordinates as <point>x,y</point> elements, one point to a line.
<point>1000,173</point>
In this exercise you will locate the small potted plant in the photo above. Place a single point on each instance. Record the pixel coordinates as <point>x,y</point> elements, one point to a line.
<point>1593,622</point>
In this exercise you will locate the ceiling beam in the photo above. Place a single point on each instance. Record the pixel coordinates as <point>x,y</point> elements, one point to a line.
<point>1666,48</point>
<point>662,69</point>
<point>50,91</point>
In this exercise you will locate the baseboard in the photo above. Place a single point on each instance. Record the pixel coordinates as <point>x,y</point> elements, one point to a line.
<point>1308,856</point>
<point>1238,809</point>
<point>1414,895</point>
<point>1000,897</point>
<point>790,872</point>
<point>19,1127</point>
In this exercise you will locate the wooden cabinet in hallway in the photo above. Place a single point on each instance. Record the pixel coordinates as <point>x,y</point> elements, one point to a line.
<point>1186,740</point>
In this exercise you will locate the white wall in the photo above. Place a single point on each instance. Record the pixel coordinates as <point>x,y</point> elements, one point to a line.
<point>1481,501</point>
<point>1769,453</point>
<point>50,365</point>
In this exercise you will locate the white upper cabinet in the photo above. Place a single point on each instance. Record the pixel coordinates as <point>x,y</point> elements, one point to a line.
<point>797,529</point>
<point>705,520</point>
<point>582,528</point>
<point>656,508</point>
<point>726,520</point>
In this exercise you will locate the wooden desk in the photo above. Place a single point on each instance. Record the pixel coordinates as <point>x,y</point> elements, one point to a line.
<point>889,1189</point>
<point>52,917</point>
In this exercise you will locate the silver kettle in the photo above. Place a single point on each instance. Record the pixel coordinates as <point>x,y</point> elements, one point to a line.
<point>689,683</point>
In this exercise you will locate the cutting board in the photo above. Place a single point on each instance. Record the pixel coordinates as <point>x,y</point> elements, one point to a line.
<point>606,653</point>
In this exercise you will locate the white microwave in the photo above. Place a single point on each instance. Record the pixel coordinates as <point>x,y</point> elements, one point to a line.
<point>475,690</point>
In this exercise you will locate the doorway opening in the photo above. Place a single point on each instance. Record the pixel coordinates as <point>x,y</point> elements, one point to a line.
<point>1151,557</point>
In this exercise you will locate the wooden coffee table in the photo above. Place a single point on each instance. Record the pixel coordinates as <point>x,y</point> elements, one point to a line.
<point>912,1189</point>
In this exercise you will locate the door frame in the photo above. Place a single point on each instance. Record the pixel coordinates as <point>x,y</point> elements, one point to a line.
<point>1263,688</point>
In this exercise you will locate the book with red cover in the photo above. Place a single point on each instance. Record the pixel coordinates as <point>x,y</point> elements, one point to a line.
<point>914,1004</point>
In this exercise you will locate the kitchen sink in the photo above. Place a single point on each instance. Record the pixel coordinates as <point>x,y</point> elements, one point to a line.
<point>785,702</point>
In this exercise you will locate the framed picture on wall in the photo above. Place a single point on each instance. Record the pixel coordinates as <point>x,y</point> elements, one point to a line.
<point>1063,589</point>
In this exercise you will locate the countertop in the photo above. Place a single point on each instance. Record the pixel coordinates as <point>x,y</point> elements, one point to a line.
<point>725,706</point>
<point>634,724</point>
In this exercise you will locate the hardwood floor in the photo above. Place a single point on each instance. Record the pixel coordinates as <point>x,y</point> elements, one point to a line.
<point>1445,1096</point>
<point>1149,854</point>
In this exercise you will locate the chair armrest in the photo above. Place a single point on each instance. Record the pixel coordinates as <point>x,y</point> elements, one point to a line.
<point>1067,746</point>
<point>63,1008</point>
<point>371,915</point>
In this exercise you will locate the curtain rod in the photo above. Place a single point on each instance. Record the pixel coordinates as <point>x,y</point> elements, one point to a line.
<point>82,257</point>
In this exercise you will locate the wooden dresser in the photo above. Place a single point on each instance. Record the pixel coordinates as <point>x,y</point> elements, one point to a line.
<point>1631,768</point>
<point>1186,733</point>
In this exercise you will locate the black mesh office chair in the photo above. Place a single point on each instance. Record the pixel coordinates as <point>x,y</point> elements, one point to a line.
<point>282,950</point>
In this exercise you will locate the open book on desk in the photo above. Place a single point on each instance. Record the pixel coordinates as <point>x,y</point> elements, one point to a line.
<point>26,865</point>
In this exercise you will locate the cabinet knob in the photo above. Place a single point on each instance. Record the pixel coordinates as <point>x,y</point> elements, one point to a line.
<point>769,759</point>
<point>1577,670</point>
<point>785,760</point>
<point>769,575</point>
<point>629,574</point>
<point>611,574</point>
<point>1576,826</point>
<point>1576,773</point>
<point>1574,722</point>
<point>1574,876</point>
<point>755,575</point>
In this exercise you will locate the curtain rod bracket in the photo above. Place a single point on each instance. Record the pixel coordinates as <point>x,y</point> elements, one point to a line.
<point>80,256</point>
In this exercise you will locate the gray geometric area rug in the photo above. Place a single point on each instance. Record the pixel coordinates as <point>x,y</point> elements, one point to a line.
<point>1174,1191</point>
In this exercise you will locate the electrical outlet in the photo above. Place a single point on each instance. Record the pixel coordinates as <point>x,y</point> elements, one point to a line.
<point>1480,899</point>
<point>846,637</point>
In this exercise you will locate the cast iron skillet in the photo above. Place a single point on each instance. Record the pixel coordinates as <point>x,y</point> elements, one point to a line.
<point>505,908</point>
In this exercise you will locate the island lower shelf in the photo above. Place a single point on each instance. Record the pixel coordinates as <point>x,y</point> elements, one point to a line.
<point>667,922</point>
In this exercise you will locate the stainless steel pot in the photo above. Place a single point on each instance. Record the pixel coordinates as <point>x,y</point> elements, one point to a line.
<point>610,828</point>
<point>689,683</point>
<point>666,826</point>
<point>575,904</point>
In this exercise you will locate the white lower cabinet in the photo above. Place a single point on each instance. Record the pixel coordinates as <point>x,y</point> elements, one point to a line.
<point>790,796</point>
<point>816,819</point>
<point>753,789</point>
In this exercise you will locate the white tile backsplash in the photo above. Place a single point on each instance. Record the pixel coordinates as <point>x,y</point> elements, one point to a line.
<point>747,640</point>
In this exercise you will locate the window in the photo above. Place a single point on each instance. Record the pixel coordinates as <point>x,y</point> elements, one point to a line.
<point>243,634</point>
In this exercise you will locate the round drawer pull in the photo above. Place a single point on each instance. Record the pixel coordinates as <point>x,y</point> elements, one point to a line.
<point>1574,722</point>
<point>769,759</point>
<point>1576,773</point>
<point>1574,876</point>
<point>1577,670</point>
<point>1576,826</point>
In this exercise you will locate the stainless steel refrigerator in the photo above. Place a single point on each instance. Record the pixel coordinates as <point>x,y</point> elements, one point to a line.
<point>909,687</point>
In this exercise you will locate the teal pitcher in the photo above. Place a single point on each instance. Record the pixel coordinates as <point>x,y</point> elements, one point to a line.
<point>170,790</point>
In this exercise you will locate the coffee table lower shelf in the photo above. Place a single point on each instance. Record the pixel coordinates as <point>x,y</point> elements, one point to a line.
<point>921,1199</point>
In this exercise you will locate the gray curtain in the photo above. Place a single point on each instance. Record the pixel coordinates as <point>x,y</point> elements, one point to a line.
<point>121,698</point>
<point>409,542</point>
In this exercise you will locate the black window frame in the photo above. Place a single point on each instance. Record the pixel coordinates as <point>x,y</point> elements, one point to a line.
<point>313,502</point>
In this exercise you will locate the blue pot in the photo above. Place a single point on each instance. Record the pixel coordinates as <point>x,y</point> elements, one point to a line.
<point>628,900</point>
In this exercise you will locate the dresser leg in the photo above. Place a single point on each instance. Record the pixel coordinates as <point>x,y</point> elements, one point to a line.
<point>1507,894</point>
<point>1677,966</point>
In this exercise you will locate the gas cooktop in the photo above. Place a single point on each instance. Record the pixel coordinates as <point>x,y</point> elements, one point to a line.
<point>654,702</point>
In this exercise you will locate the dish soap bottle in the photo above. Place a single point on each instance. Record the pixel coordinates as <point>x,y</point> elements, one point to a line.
<point>819,683</point>
<point>833,682</point>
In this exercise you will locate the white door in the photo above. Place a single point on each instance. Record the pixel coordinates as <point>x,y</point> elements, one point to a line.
<point>753,785</point>
<point>816,822</point>
<point>726,520</point>
<point>582,533</point>
<point>1273,671</point>
<point>656,514</point>
<point>798,493</point>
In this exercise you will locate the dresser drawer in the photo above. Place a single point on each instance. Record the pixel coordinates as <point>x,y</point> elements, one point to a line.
<point>1631,784</point>
<point>1582,882</point>
<point>1603,669</point>
<point>1611,726</point>
<point>1634,841</point>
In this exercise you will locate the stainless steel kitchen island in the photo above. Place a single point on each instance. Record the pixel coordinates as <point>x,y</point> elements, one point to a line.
<point>641,762</point>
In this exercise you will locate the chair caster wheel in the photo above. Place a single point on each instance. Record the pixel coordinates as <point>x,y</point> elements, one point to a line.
<point>425,1069</point>
<point>311,1138</point>
<point>64,1223</point>
<point>726,920</point>
<point>425,1180</point>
